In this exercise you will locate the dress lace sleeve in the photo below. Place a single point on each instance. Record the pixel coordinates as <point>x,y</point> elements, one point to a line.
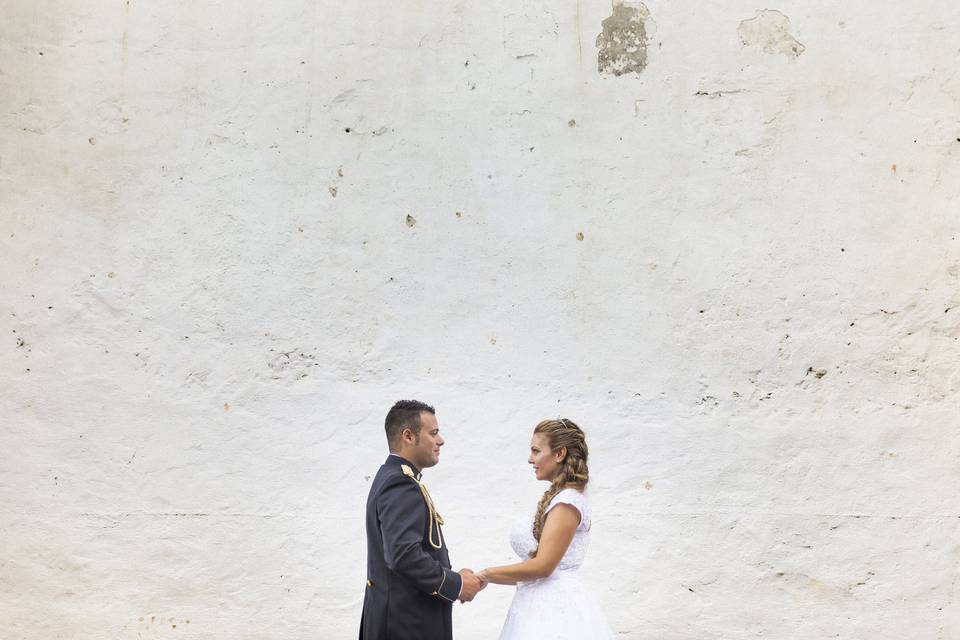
<point>576,500</point>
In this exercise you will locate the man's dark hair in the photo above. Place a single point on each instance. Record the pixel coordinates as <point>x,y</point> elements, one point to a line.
<point>405,414</point>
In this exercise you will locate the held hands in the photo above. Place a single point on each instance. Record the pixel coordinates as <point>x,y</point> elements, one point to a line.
<point>472,585</point>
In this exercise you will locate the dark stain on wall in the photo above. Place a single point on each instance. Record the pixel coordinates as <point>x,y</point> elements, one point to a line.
<point>622,43</point>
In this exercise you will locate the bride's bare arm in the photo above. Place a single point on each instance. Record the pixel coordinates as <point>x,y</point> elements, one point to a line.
<point>558,530</point>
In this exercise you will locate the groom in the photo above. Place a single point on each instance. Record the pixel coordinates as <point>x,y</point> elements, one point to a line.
<point>410,585</point>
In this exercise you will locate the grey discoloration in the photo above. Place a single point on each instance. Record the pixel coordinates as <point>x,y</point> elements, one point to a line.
<point>770,29</point>
<point>623,42</point>
<point>294,364</point>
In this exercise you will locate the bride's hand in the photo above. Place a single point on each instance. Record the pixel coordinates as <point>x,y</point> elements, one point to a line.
<point>484,578</point>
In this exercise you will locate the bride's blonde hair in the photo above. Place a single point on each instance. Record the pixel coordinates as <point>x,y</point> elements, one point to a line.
<point>573,473</point>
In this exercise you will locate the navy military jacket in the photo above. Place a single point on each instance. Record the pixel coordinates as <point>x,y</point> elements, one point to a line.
<point>410,586</point>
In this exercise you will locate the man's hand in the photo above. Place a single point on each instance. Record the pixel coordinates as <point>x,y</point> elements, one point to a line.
<point>472,585</point>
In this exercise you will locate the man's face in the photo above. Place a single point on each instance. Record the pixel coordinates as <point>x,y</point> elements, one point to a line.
<point>426,453</point>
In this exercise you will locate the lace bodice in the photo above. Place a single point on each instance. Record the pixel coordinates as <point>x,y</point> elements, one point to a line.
<point>559,598</point>
<point>523,542</point>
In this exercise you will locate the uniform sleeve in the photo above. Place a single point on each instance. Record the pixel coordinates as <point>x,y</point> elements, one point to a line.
<point>403,520</point>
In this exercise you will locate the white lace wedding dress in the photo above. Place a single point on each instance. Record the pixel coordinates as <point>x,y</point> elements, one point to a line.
<point>557,607</point>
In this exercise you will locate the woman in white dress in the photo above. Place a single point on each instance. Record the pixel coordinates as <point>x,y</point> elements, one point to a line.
<point>550,601</point>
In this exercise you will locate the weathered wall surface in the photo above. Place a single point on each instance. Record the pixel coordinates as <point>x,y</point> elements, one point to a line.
<point>721,236</point>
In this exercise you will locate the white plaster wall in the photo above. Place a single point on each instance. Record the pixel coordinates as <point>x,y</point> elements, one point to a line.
<point>211,296</point>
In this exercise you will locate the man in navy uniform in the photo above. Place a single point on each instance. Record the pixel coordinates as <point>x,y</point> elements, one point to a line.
<point>410,585</point>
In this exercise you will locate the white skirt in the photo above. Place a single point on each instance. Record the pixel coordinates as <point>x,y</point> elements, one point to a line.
<point>557,607</point>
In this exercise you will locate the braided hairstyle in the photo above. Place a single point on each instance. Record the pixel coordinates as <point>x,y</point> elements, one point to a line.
<point>573,472</point>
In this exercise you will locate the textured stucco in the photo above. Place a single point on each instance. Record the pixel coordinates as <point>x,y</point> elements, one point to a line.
<point>231,234</point>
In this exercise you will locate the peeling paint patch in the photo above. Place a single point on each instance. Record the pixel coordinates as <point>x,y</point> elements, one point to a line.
<point>622,43</point>
<point>770,29</point>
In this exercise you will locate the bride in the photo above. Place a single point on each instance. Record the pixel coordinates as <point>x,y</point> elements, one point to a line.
<point>550,602</point>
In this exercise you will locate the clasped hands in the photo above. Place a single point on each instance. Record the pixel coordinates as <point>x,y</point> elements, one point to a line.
<point>472,585</point>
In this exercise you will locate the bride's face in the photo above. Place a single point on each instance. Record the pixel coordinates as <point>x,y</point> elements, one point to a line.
<point>546,463</point>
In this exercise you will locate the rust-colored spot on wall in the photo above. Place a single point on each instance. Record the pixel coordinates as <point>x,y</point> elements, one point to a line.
<point>111,274</point>
<point>92,140</point>
<point>226,406</point>
<point>580,235</point>
<point>893,168</point>
<point>622,43</point>
<point>411,220</point>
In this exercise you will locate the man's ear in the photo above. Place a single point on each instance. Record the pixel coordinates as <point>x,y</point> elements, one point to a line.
<point>407,435</point>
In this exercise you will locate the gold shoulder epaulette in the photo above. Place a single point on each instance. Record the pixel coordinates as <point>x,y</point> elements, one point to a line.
<point>435,519</point>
